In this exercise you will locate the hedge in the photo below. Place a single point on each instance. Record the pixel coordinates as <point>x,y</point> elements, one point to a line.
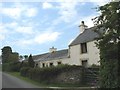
<point>44,74</point>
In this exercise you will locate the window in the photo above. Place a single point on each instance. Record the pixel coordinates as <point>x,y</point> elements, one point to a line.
<point>43,64</point>
<point>59,63</point>
<point>51,64</point>
<point>83,48</point>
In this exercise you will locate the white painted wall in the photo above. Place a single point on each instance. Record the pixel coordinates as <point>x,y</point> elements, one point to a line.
<point>92,54</point>
<point>76,57</point>
<point>55,62</point>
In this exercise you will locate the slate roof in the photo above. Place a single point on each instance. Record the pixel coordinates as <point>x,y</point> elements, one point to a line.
<point>88,35</point>
<point>51,56</point>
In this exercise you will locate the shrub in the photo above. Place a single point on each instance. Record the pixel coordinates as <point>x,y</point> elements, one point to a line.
<point>45,74</point>
<point>24,64</point>
<point>15,66</point>
<point>5,67</point>
<point>24,71</point>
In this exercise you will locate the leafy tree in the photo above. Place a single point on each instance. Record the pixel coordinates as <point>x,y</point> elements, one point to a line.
<point>30,61</point>
<point>21,57</point>
<point>14,57</point>
<point>25,56</point>
<point>6,52</point>
<point>109,44</point>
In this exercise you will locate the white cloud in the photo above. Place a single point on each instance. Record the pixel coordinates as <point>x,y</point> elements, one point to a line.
<point>18,10</point>
<point>99,2</point>
<point>47,5</point>
<point>12,25</point>
<point>26,42</point>
<point>2,37</point>
<point>24,30</point>
<point>47,37</point>
<point>12,12</point>
<point>31,12</point>
<point>67,12</point>
<point>42,38</point>
<point>3,32</point>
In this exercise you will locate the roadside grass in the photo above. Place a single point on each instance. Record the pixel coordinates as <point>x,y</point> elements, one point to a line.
<point>42,84</point>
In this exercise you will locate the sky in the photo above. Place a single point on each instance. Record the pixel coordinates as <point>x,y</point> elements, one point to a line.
<point>32,27</point>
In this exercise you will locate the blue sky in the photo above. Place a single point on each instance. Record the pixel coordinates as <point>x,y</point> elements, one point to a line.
<point>33,27</point>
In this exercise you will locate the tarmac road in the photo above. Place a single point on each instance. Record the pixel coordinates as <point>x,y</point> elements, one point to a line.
<point>0,80</point>
<point>9,81</point>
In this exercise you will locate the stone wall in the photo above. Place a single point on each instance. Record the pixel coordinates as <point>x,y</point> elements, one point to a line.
<point>70,76</point>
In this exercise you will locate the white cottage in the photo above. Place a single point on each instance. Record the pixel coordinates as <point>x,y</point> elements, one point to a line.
<point>82,51</point>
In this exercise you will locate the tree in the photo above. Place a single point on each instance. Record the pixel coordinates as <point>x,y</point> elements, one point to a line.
<point>14,57</point>
<point>25,56</point>
<point>21,57</point>
<point>6,52</point>
<point>30,61</point>
<point>109,44</point>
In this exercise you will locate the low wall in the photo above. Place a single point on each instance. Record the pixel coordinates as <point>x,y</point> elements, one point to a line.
<point>70,76</point>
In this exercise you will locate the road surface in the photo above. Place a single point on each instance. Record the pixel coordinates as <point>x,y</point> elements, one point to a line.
<point>0,80</point>
<point>9,81</point>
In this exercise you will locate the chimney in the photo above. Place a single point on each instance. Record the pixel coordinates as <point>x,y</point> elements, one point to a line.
<point>52,50</point>
<point>82,27</point>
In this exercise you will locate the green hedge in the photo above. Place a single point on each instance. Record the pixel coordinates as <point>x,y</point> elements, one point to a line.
<point>24,71</point>
<point>45,74</point>
<point>12,66</point>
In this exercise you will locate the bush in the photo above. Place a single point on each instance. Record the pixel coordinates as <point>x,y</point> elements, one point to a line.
<point>11,67</point>
<point>6,67</point>
<point>15,66</point>
<point>24,71</point>
<point>46,74</point>
<point>24,64</point>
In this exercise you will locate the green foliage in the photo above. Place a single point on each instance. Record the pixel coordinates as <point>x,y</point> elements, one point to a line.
<point>5,67</point>
<point>109,44</point>
<point>24,64</point>
<point>13,57</point>
<point>30,61</point>
<point>46,74</point>
<point>25,56</point>
<point>6,51</point>
<point>24,71</point>
<point>11,67</point>
<point>8,55</point>
<point>15,66</point>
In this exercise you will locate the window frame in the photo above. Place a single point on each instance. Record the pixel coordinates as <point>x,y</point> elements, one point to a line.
<point>84,48</point>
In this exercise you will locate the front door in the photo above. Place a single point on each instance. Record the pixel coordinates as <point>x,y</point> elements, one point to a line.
<point>84,63</point>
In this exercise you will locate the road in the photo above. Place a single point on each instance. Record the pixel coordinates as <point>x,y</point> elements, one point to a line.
<point>9,81</point>
<point>0,80</point>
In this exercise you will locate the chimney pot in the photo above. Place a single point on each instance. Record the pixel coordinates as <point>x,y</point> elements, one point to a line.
<point>82,27</point>
<point>52,50</point>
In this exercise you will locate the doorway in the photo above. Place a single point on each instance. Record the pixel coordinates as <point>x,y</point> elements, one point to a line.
<point>84,63</point>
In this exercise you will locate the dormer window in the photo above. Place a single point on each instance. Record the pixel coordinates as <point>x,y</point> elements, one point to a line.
<point>83,47</point>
